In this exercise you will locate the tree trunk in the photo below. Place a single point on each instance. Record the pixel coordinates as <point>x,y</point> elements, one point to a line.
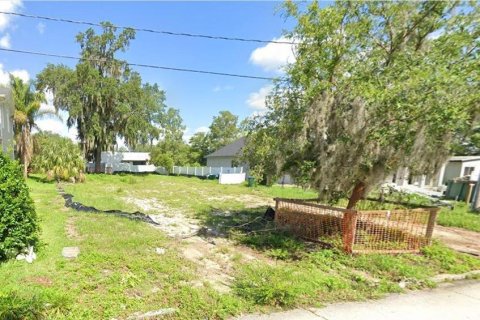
<point>357,194</point>
<point>25,152</point>
<point>98,157</point>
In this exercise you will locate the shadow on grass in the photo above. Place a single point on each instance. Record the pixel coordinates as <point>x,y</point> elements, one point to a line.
<point>41,179</point>
<point>249,227</point>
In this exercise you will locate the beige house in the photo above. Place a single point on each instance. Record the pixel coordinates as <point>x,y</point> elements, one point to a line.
<point>6,122</point>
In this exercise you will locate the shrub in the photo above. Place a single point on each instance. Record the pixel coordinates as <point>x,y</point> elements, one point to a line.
<point>18,220</point>
<point>57,157</point>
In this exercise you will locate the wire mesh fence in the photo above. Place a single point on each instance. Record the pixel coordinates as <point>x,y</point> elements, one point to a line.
<point>388,231</point>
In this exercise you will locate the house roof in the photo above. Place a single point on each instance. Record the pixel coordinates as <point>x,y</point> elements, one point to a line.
<point>230,150</point>
<point>464,158</point>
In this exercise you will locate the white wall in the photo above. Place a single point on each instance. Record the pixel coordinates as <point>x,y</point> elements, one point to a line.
<point>476,171</point>
<point>452,170</point>
<point>6,124</point>
<point>231,178</point>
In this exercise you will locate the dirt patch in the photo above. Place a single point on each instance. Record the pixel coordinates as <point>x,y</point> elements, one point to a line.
<point>216,258</point>
<point>70,229</point>
<point>174,223</point>
<point>211,270</point>
<point>43,281</point>
<point>459,239</point>
<point>213,255</point>
<point>249,201</point>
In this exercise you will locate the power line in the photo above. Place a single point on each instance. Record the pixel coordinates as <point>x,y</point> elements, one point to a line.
<point>170,33</point>
<point>141,65</point>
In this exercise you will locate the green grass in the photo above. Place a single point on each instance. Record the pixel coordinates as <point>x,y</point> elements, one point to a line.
<point>189,194</point>
<point>460,217</point>
<point>118,272</point>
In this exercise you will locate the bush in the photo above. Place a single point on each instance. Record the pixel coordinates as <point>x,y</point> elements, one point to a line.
<point>18,220</point>
<point>57,157</point>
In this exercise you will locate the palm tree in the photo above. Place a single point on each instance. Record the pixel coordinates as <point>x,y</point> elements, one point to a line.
<point>27,103</point>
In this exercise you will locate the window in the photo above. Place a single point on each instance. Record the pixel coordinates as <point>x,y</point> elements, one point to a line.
<point>467,171</point>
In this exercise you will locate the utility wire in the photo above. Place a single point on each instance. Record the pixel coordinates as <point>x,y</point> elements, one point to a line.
<point>140,65</point>
<point>193,35</point>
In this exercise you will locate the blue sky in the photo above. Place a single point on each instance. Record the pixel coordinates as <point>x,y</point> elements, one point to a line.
<point>199,97</point>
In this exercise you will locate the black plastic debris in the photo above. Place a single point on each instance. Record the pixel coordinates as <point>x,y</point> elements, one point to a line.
<point>69,203</point>
<point>269,214</point>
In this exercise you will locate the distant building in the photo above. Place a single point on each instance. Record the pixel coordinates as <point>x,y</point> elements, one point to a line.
<point>6,122</point>
<point>136,162</point>
<point>455,167</point>
<point>225,156</point>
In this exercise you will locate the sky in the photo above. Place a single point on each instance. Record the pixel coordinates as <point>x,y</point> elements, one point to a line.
<point>198,97</point>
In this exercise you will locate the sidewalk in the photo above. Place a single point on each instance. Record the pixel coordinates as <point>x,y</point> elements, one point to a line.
<point>452,301</point>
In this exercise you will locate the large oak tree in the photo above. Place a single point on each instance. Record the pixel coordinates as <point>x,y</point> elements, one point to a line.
<point>376,86</point>
<point>104,99</point>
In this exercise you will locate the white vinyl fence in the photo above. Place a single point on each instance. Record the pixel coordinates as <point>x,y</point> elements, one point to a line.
<point>122,167</point>
<point>201,171</point>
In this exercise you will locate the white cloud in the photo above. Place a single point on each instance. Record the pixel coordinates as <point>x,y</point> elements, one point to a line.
<point>5,41</point>
<point>5,75</point>
<point>256,100</point>
<point>57,126</point>
<point>188,133</point>
<point>8,6</point>
<point>202,129</point>
<point>22,74</point>
<point>41,27</point>
<point>273,56</point>
<point>222,88</point>
<point>49,105</point>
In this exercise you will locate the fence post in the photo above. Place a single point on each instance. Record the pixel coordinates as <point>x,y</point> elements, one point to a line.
<point>431,224</point>
<point>195,171</point>
<point>209,170</point>
<point>275,217</point>
<point>349,228</point>
<point>202,171</point>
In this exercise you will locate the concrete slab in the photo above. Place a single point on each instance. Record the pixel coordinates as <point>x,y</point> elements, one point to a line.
<point>453,301</point>
<point>449,302</point>
<point>70,252</point>
<point>297,314</point>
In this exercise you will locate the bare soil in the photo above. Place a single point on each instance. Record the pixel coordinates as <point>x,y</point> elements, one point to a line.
<point>459,239</point>
<point>213,255</point>
<point>171,221</point>
<point>70,229</point>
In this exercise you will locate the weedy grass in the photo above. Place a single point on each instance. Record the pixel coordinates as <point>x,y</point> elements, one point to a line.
<point>460,216</point>
<point>118,272</point>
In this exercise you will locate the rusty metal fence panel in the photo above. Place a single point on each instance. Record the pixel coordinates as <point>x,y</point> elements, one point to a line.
<point>386,231</point>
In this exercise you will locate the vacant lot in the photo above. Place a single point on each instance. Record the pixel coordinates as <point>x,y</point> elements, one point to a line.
<point>211,256</point>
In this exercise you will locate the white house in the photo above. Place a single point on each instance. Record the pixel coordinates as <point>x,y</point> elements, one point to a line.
<point>461,166</point>
<point>125,162</point>
<point>455,167</point>
<point>225,156</point>
<point>6,122</point>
